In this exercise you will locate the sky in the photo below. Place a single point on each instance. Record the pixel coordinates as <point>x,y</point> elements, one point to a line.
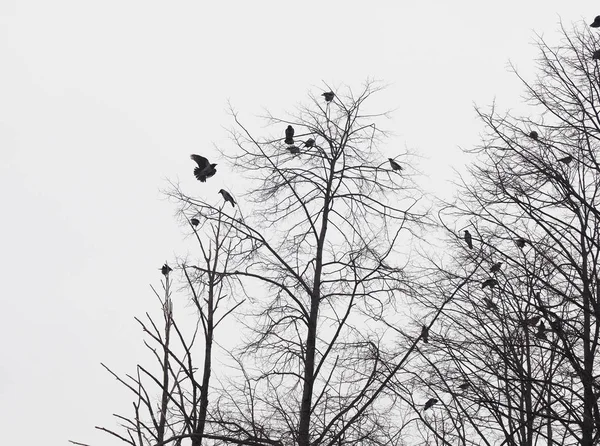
<point>102,102</point>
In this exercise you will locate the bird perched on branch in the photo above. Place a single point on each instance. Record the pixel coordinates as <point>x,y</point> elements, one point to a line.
<point>227,197</point>
<point>566,160</point>
<point>430,402</point>
<point>541,331</point>
<point>496,267</point>
<point>596,55</point>
<point>425,334</point>
<point>165,269</point>
<point>294,150</point>
<point>328,95</point>
<point>195,221</point>
<point>596,22</point>
<point>310,142</point>
<point>204,170</point>
<point>534,135</point>
<point>469,239</point>
<point>489,304</point>
<point>489,282</point>
<point>394,164</point>
<point>521,242</point>
<point>289,135</point>
<point>464,386</point>
<point>531,322</point>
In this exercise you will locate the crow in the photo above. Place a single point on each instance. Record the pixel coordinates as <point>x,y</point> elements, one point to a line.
<point>394,164</point>
<point>464,386</point>
<point>289,135</point>
<point>541,331</point>
<point>227,197</point>
<point>204,170</point>
<point>425,334</point>
<point>195,221</point>
<point>531,322</point>
<point>596,23</point>
<point>294,150</point>
<point>430,402</point>
<point>310,142</point>
<point>596,55</point>
<point>489,282</point>
<point>496,267</point>
<point>566,160</point>
<point>489,304</point>
<point>329,95</point>
<point>534,135</point>
<point>521,242</point>
<point>165,269</point>
<point>469,239</point>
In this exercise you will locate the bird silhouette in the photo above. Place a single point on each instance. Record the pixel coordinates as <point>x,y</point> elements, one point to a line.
<point>195,221</point>
<point>489,304</point>
<point>496,267</point>
<point>430,402</point>
<point>534,135</point>
<point>328,95</point>
<point>394,164</point>
<point>541,331</point>
<point>596,22</point>
<point>310,142</point>
<point>469,239</point>
<point>204,170</point>
<point>294,150</point>
<point>425,334</point>
<point>531,322</point>
<point>521,242</point>
<point>596,55</point>
<point>566,160</point>
<point>227,197</point>
<point>464,386</point>
<point>289,135</point>
<point>489,282</point>
<point>165,269</point>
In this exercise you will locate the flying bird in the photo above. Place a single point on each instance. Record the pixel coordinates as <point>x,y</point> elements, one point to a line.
<point>294,150</point>
<point>464,386</point>
<point>310,142</point>
<point>469,239</point>
<point>204,170</point>
<point>430,402</point>
<point>165,269</point>
<point>289,135</point>
<point>227,197</point>
<point>521,242</point>
<point>496,267</point>
<point>596,55</point>
<point>394,164</point>
<point>596,23</point>
<point>566,160</point>
<point>425,334</point>
<point>328,95</point>
<point>195,221</point>
<point>489,304</point>
<point>489,282</point>
<point>534,135</point>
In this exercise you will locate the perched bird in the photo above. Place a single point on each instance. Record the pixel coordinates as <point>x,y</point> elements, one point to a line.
<point>489,282</point>
<point>566,160</point>
<point>294,150</point>
<point>596,23</point>
<point>521,242</point>
<point>310,142</point>
<point>227,197</point>
<point>430,402</point>
<point>531,322</point>
<point>425,334</point>
<point>464,386</point>
<point>541,331</point>
<point>289,135</point>
<point>165,269</point>
<point>469,239</point>
<point>534,135</point>
<point>489,304</point>
<point>496,267</point>
<point>204,170</point>
<point>556,325</point>
<point>394,164</point>
<point>596,55</point>
<point>328,95</point>
<point>195,221</point>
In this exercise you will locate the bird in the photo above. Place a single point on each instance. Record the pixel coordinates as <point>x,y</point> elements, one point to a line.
<point>596,23</point>
<point>310,142</point>
<point>430,402</point>
<point>496,267</point>
<point>289,135</point>
<point>596,55</point>
<point>566,160</point>
<point>425,334</point>
<point>328,95</point>
<point>521,242</point>
<point>294,150</point>
<point>227,197</point>
<point>165,269</point>
<point>195,221</point>
<point>489,304</point>
<point>204,170</point>
<point>464,386</point>
<point>531,322</point>
<point>489,282</point>
<point>534,135</point>
<point>541,331</point>
<point>469,239</point>
<point>394,164</point>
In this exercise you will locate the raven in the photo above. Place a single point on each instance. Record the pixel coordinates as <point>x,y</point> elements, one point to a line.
<point>596,55</point>
<point>425,334</point>
<point>294,150</point>
<point>464,386</point>
<point>310,142</point>
<point>195,221</point>
<point>541,331</point>
<point>566,160</point>
<point>531,322</point>
<point>329,95</point>
<point>534,135</point>
<point>166,269</point>
<point>496,267</point>
<point>489,304</point>
<point>430,402</point>
<point>489,282</point>
<point>204,170</point>
<point>469,239</point>
<point>521,242</point>
<point>394,164</point>
<point>596,23</point>
<point>289,135</point>
<point>227,197</point>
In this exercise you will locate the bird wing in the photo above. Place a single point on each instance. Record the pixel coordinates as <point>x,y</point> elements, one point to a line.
<point>201,161</point>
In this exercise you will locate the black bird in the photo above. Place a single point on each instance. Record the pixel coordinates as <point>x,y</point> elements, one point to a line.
<point>489,282</point>
<point>310,142</point>
<point>489,304</point>
<point>469,239</point>
<point>596,23</point>
<point>195,221</point>
<point>294,150</point>
<point>464,386</point>
<point>425,334</point>
<point>204,170</point>
<point>531,322</point>
<point>496,267</point>
<point>430,402</point>
<point>165,269</point>
<point>328,95</point>
<point>541,331</point>
<point>521,242</point>
<point>566,160</point>
<point>596,55</point>
<point>534,135</point>
<point>394,164</point>
<point>227,197</point>
<point>289,135</point>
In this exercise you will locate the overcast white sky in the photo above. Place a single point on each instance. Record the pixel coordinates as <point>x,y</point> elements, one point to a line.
<point>101,101</point>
